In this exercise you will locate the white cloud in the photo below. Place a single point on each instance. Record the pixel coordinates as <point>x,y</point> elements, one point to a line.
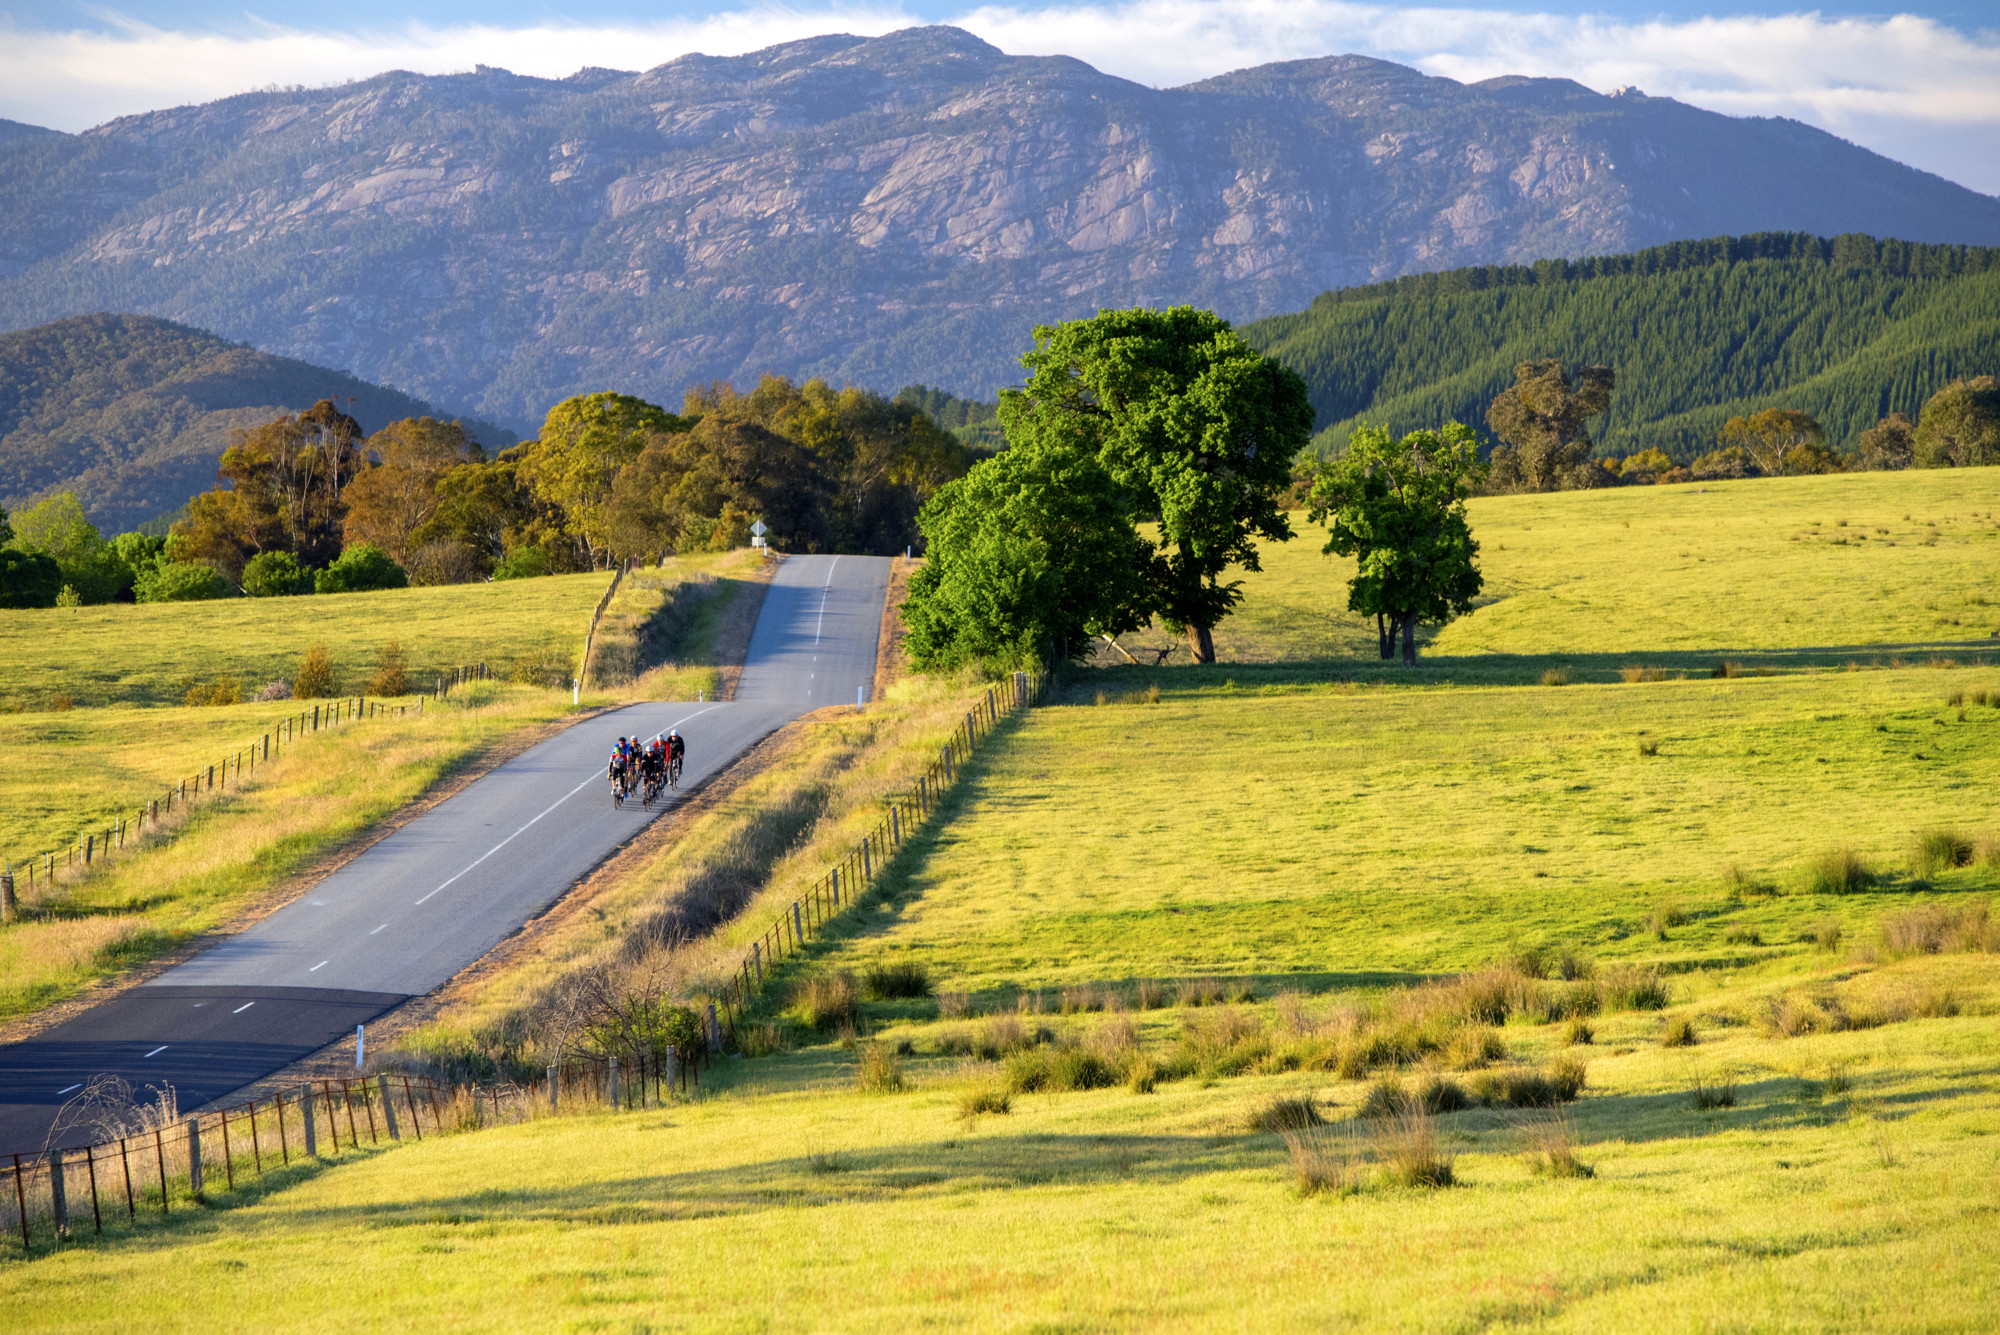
<point>1907,86</point>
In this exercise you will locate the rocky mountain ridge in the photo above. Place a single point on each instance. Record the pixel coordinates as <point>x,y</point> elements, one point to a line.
<point>885,210</point>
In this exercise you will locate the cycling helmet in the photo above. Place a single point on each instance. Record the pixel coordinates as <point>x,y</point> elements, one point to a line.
<point>673,732</point>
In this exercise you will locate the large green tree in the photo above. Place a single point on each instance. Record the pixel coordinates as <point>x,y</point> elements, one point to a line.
<point>1029,555</point>
<point>1781,440</point>
<point>1397,506</point>
<point>584,442</point>
<point>1197,429</point>
<point>1960,425</point>
<point>1543,422</point>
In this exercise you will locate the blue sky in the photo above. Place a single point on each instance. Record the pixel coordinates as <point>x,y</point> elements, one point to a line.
<point>1920,83</point>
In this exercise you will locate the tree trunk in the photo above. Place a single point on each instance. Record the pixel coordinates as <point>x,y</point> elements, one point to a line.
<point>1201,643</point>
<point>1409,642</point>
<point>1385,634</point>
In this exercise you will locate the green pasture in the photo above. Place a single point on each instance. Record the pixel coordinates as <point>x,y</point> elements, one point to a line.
<point>1369,832</point>
<point>1806,569</point>
<point>142,654</point>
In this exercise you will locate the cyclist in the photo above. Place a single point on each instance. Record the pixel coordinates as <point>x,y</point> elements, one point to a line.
<point>620,765</point>
<point>676,753</point>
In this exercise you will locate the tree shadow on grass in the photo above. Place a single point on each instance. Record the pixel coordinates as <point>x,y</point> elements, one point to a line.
<point>1082,687</point>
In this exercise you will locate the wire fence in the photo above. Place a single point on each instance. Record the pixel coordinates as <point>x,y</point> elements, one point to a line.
<point>809,914</point>
<point>40,873</point>
<point>160,1162</point>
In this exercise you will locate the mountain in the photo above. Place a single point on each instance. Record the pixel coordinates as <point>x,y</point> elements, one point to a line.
<point>1848,329</point>
<point>883,211</point>
<point>131,412</point>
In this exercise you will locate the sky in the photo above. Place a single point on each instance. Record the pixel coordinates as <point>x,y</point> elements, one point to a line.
<point>1919,83</point>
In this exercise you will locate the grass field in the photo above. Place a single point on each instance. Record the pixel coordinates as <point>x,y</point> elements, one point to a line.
<point>123,654</point>
<point>1661,885</point>
<point>1678,574</point>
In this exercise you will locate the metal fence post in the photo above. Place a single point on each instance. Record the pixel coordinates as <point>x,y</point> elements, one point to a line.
<point>554,1086</point>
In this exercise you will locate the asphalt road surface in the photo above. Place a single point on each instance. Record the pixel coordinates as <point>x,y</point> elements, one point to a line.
<point>420,905</point>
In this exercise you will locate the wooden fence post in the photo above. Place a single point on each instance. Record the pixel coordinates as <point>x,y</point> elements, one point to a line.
<point>798,930</point>
<point>388,1108</point>
<point>58,1198</point>
<point>193,1125</point>
<point>714,1030</point>
<point>21,1203</point>
<point>312,1123</point>
<point>554,1085</point>
<point>9,910</point>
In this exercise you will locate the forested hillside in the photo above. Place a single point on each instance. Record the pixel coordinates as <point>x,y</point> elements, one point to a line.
<point>1847,329</point>
<point>131,412</point>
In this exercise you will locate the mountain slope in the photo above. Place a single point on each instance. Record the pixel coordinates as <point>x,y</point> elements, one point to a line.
<point>131,412</point>
<point>1847,329</point>
<point>886,211</point>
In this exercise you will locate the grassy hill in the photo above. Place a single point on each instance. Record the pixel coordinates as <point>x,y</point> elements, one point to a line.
<point>1174,908</point>
<point>131,412</point>
<point>1847,329</point>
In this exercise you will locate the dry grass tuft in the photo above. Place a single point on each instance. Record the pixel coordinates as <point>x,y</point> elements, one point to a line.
<point>1838,871</point>
<point>891,981</point>
<point>1407,1144</point>
<point>984,1099</point>
<point>1635,672</point>
<point>825,1001</point>
<point>1936,929</point>
<point>1322,1161</point>
<point>1679,1033</point>
<point>1552,1147</point>
<point>880,1070</point>
<point>1709,1094</point>
<point>1286,1112</point>
<point>1556,676</point>
<point>1940,850</point>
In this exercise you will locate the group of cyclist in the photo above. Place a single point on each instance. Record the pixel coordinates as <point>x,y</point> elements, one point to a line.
<point>647,766</point>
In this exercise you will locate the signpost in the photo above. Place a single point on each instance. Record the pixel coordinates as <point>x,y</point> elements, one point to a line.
<point>757,532</point>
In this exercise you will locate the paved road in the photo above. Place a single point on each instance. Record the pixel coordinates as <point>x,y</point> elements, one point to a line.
<point>428,900</point>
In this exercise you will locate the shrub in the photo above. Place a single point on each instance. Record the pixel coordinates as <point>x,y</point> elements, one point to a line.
<point>1322,1163</point>
<point>1825,934</point>
<point>524,563</point>
<point>362,568</point>
<point>1141,1075</point>
<point>1933,929</point>
<point>275,690</point>
<point>1408,1144</point>
<point>276,575</point>
<point>1631,988</point>
<point>909,979</point>
<point>1437,1094</point>
<point>390,671</point>
<point>1556,676</point>
<point>315,678</point>
<point>1708,1094</point>
<point>1200,992</point>
<point>1679,1033</point>
<point>1838,871</point>
<point>984,1099</point>
<point>1286,1112</point>
<point>1568,1075</point>
<point>1579,1033</point>
<point>1058,1070</point>
<point>1938,851</point>
<point>222,691</point>
<point>1741,934</point>
<point>1552,1147</point>
<point>1386,1098</point>
<point>826,1000</point>
<point>1649,746</point>
<point>29,579</point>
<point>179,582</point>
<point>880,1070</point>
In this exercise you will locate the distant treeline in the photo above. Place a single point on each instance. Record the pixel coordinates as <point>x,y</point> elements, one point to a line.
<point>1848,330</point>
<point>1914,259</point>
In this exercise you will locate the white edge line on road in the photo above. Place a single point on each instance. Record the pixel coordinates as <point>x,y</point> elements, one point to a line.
<point>77,1085</point>
<point>551,807</point>
<point>244,1007</point>
<point>317,967</point>
<point>157,1051</point>
<point>378,929</point>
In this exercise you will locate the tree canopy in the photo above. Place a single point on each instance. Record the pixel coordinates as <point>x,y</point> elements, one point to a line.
<point>1031,554</point>
<point>1397,506</point>
<point>1542,420</point>
<point>1197,429</point>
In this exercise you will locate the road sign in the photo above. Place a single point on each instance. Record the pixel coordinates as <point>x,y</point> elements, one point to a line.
<point>758,530</point>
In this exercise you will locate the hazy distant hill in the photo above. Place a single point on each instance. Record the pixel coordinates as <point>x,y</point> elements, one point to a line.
<point>891,210</point>
<point>131,412</point>
<point>1847,329</point>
